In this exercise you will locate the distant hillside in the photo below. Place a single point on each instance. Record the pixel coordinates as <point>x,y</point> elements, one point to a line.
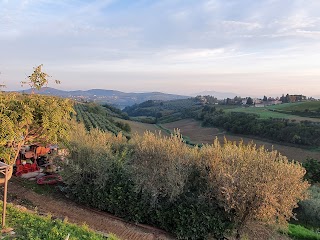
<point>218,95</point>
<point>164,111</point>
<point>115,98</point>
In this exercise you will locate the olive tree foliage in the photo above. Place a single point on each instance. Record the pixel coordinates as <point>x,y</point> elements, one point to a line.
<point>253,183</point>
<point>31,119</point>
<point>161,164</point>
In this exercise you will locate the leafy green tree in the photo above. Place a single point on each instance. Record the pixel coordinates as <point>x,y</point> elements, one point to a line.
<point>32,118</point>
<point>312,167</point>
<point>249,101</point>
<point>38,79</point>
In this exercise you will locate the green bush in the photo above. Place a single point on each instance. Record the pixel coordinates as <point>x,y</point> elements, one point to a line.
<point>191,192</point>
<point>100,174</point>
<point>308,212</point>
<point>313,170</point>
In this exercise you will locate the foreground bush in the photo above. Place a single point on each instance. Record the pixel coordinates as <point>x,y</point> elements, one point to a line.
<point>190,192</point>
<point>253,183</point>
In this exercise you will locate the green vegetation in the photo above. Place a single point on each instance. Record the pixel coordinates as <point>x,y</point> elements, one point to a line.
<point>301,233</point>
<point>32,118</point>
<point>263,113</point>
<point>165,111</point>
<point>163,182</point>
<point>28,225</point>
<point>29,119</point>
<point>308,212</point>
<point>96,116</point>
<point>297,106</point>
<point>304,109</point>
<point>280,130</point>
<point>313,170</point>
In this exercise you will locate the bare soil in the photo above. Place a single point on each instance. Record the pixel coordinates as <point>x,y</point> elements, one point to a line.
<point>140,128</point>
<point>199,134</point>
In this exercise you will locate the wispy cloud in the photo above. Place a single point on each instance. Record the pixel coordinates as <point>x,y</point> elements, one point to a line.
<point>175,37</point>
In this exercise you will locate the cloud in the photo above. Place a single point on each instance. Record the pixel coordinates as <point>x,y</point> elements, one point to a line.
<point>176,37</point>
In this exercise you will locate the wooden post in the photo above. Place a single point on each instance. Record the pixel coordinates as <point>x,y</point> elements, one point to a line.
<point>5,199</point>
<point>6,170</point>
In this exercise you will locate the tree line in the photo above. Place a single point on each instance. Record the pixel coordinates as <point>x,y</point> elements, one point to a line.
<point>281,130</point>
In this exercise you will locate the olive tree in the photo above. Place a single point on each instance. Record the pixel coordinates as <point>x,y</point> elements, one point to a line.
<point>253,183</point>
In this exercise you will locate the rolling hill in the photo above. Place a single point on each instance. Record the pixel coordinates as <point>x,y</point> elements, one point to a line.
<point>115,98</point>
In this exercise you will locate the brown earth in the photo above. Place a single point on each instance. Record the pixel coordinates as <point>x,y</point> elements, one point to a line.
<point>140,128</point>
<point>199,134</point>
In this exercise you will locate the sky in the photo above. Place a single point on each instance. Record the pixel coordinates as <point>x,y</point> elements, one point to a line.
<point>249,47</point>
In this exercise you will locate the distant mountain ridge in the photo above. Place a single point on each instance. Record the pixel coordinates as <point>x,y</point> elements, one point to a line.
<point>113,97</point>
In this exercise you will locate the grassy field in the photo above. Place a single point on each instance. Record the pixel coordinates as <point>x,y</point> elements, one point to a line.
<point>266,112</point>
<point>298,106</point>
<point>199,134</point>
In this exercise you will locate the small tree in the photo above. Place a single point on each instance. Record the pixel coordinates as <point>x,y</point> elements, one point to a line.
<point>249,101</point>
<point>254,184</point>
<point>32,118</point>
<point>38,79</point>
<point>313,170</point>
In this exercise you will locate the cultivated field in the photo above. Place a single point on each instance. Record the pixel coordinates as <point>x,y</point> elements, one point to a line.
<point>298,106</point>
<point>199,134</point>
<point>266,112</point>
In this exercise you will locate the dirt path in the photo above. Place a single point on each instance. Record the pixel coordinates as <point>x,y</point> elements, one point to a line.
<point>99,221</point>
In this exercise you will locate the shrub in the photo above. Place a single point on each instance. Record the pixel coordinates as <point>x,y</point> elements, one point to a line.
<point>161,164</point>
<point>253,183</point>
<point>191,192</point>
<point>313,170</point>
<point>308,212</point>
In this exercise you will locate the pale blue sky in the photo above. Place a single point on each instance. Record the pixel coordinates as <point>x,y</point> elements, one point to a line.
<point>178,46</point>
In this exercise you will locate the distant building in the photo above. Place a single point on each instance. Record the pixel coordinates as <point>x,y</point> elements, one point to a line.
<point>297,98</point>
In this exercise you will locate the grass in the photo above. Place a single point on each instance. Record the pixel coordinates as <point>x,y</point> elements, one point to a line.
<point>301,233</point>
<point>40,189</point>
<point>298,106</point>
<point>266,113</point>
<point>28,225</point>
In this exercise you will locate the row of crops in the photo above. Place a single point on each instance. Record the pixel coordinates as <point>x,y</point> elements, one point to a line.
<point>99,119</point>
